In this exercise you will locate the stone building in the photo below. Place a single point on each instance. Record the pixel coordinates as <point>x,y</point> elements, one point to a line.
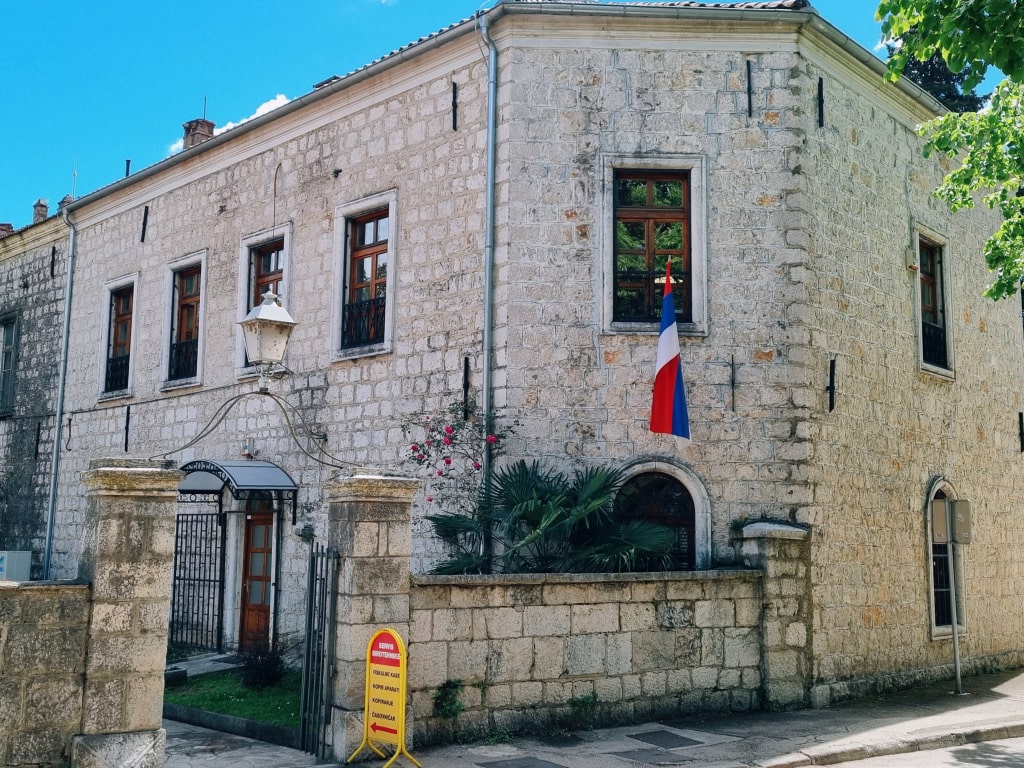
<point>499,198</point>
<point>33,271</point>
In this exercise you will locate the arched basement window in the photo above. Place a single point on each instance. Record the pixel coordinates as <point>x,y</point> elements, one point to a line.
<point>660,498</point>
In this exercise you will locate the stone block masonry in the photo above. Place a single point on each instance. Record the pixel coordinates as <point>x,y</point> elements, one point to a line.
<point>81,663</point>
<point>43,631</point>
<point>541,649</point>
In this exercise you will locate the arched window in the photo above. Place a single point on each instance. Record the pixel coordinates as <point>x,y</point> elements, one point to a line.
<point>940,608</point>
<point>660,498</point>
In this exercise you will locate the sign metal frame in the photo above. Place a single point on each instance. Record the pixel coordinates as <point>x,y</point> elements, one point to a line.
<point>385,697</point>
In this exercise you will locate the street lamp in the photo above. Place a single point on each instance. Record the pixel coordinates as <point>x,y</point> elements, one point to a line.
<point>266,330</point>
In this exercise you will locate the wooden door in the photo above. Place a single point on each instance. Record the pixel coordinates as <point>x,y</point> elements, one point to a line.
<point>257,582</point>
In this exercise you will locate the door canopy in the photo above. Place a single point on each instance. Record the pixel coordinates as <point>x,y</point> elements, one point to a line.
<point>246,480</point>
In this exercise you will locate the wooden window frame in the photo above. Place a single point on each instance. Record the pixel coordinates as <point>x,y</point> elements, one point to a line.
<point>646,280</point>
<point>8,362</point>
<point>363,316</point>
<point>936,349</point>
<point>261,280</point>
<point>183,349</point>
<point>119,349</point>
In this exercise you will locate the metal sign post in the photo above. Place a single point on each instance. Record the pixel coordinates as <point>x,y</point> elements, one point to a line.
<point>951,524</point>
<point>950,562</point>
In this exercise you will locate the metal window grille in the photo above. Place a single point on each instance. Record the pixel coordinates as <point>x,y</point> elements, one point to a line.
<point>183,359</point>
<point>363,323</point>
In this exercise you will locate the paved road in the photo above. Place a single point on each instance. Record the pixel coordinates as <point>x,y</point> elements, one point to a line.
<point>984,729</point>
<point>1007,753</point>
<point>189,746</point>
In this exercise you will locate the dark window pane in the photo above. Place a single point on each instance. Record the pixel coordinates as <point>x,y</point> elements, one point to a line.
<point>668,237</point>
<point>668,193</point>
<point>631,192</point>
<point>662,500</point>
<point>630,236</point>
<point>364,305</point>
<point>364,273</point>
<point>940,584</point>
<point>631,262</point>
<point>649,228</point>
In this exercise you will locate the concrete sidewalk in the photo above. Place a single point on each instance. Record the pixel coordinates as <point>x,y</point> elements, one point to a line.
<point>923,718</point>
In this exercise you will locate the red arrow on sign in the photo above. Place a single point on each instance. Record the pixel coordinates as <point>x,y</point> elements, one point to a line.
<point>374,727</point>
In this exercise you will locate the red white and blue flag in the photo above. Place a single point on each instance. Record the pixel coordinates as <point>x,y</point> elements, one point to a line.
<point>668,409</point>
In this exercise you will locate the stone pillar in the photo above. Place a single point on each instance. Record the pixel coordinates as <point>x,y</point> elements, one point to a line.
<point>128,556</point>
<point>782,552</point>
<point>370,524</point>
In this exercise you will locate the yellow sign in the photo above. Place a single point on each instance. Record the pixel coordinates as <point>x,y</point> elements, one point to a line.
<point>384,709</point>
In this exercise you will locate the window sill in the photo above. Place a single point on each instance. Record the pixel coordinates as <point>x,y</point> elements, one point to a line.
<point>654,329</point>
<point>369,350</point>
<point>939,373</point>
<point>191,381</point>
<point>945,633</point>
<point>117,394</point>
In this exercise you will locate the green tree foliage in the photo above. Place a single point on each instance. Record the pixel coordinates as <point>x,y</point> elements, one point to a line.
<point>971,36</point>
<point>935,76</point>
<point>547,522</point>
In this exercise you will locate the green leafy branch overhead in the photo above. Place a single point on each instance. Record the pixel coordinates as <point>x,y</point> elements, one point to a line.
<point>972,36</point>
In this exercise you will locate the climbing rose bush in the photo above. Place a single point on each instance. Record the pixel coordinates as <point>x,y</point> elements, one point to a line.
<point>447,449</point>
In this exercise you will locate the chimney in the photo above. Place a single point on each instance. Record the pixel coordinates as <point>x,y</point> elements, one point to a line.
<point>6,229</point>
<point>40,211</point>
<point>197,131</point>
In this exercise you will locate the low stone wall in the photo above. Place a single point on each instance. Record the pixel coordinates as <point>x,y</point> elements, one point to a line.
<point>82,663</point>
<point>577,650</point>
<point>44,629</point>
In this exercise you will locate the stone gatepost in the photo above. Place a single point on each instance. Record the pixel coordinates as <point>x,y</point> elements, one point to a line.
<point>128,556</point>
<point>782,552</point>
<point>370,524</point>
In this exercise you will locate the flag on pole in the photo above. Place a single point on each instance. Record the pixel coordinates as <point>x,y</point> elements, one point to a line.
<point>668,408</point>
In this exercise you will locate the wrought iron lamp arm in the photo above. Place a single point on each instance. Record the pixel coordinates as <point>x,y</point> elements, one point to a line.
<point>328,459</point>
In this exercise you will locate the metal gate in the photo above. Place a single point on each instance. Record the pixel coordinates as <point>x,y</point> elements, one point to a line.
<point>318,660</point>
<point>197,598</point>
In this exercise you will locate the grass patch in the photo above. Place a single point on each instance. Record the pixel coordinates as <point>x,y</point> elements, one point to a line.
<point>223,692</point>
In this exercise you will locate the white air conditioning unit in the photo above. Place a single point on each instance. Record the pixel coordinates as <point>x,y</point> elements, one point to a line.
<point>15,566</point>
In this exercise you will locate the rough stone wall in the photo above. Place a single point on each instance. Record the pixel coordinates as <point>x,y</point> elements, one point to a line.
<point>895,428</point>
<point>43,632</point>
<point>585,394</point>
<point>805,231</point>
<point>392,133</point>
<point>32,280</point>
<point>532,650</point>
<point>82,664</point>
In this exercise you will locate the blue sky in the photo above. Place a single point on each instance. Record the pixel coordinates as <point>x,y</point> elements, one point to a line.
<point>87,84</point>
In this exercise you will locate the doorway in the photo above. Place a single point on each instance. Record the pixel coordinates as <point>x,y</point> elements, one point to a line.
<point>257,578</point>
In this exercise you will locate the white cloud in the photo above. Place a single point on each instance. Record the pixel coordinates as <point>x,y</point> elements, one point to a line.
<point>268,106</point>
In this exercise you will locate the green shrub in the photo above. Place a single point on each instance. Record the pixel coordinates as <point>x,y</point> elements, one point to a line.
<point>542,521</point>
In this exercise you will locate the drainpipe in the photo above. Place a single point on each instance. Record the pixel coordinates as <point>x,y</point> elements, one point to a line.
<point>51,513</point>
<point>488,341</point>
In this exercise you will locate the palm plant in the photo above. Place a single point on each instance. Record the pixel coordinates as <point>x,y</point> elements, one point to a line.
<point>543,521</point>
